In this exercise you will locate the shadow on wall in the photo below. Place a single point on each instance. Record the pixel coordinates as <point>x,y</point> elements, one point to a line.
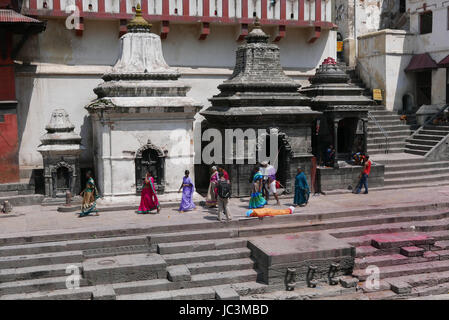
<point>86,158</point>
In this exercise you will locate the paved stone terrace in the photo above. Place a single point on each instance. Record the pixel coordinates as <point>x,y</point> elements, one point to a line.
<point>28,219</point>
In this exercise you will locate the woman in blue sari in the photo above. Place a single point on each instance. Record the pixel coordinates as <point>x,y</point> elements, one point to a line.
<point>301,189</point>
<point>257,200</point>
<point>188,189</point>
<point>90,196</point>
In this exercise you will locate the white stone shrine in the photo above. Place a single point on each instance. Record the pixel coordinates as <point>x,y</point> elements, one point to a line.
<point>142,119</point>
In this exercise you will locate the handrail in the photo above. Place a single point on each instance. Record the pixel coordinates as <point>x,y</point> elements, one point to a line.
<point>384,133</point>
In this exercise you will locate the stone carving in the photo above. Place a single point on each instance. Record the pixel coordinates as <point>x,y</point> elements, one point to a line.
<point>60,149</point>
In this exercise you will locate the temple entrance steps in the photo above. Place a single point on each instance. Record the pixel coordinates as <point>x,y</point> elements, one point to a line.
<point>397,132</point>
<point>404,170</point>
<point>425,139</point>
<point>213,261</point>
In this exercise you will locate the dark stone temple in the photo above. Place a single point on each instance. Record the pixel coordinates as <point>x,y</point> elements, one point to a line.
<point>342,124</point>
<point>60,149</point>
<point>260,96</point>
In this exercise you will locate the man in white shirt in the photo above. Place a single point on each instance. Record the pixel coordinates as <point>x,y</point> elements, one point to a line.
<point>269,174</point>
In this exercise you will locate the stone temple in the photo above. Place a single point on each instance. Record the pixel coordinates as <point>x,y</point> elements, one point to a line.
<point>260,96</point>
<point>142,119</point>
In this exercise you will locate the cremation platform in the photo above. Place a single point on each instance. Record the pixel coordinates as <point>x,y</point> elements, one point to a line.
<point>274,254</point>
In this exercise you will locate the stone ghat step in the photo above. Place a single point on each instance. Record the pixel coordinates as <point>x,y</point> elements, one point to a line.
<point>425,279</point>
<point>416,166</point>
<point>420,179</point>
<point>406,269</point>
<point>322,291</point>
<point>205,256</point>
<point>42,271</point>
<point>394,259</point>
<point>366,240</point>
<point>435,297</point>
<point>203,231</point>
<point>34,285</point>
<point>83,244</point>
<point>220,266</point>
<point>200,245</point>
<point>208,279</point>
<point>441,245</point>
<point>417,172</point>
<point>360,225</point>
<point>192,235</point>
<point>432,184</point>
<point>430,290</point>
<point>83,293</point>
<point>22,261</point>
<point>200,287</point>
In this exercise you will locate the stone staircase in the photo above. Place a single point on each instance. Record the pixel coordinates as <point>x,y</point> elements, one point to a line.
<point>212,260</point>
<point>396,130</point>
<point>425,138</point>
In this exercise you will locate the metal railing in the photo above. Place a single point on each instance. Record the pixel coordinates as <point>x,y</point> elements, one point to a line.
<point>384,133</point>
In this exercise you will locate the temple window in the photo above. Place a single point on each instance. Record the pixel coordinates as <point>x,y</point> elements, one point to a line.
<point>425,22</point>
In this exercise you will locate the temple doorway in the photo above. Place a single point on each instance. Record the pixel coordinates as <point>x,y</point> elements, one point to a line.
<point>346,134</point>
<point>150,158</point>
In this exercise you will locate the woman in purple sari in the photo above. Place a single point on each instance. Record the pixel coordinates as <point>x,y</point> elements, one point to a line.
<point>187,194</point>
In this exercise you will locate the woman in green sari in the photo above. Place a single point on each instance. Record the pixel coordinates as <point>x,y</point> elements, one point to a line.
<point>90,196</point>
<point>302,190</point>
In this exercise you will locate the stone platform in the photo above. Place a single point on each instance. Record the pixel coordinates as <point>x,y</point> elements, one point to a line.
<point>274,254</point>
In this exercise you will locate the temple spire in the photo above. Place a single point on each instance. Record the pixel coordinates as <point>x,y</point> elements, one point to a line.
<point>138,23</point>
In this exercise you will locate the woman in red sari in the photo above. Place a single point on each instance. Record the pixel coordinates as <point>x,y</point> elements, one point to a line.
<point>148,198</point>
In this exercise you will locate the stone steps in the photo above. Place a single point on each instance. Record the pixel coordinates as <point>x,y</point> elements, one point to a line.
<point>60,246</point>
<point>407,269</point>
<point>426,137</point>
<point>192,235</point>
<point>422,142</point>
<point>34,285</point>
<point>83,293</point>
<point>418,147</point>
<point>381,150</point>
<point>31,260</point>
<point>412,180</point>
<point>41,271</point>
<point>198,288</point>
<point>206,256</point>
<point>415,152</point>
<point>416,166</point>
<point>392,145</point>
<point>200,245</point>
<point>416,173</point>
<point>392,260</point>
<point>220,266</point>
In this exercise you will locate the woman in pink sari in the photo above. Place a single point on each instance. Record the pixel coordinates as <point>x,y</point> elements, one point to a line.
<point>148,198</point>
<point>211,198</point>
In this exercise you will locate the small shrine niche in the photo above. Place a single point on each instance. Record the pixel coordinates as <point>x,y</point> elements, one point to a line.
<point>150,158</point>
<point>60,149</point>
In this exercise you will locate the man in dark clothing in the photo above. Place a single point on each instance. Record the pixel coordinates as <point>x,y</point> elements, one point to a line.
<point>224,193</point>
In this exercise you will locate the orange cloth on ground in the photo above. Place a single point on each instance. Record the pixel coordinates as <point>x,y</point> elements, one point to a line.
<point>263,212</point>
